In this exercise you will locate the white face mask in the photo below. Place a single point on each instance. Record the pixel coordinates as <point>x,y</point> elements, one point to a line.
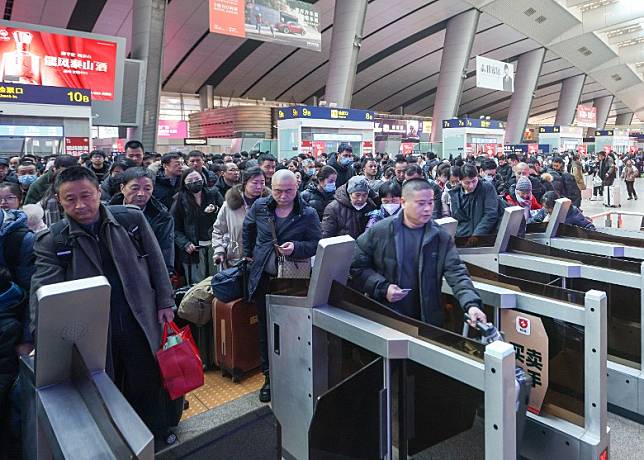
<point>488,178</point>
<point>391,208</point>
<point>359,207</point>
<point>521,200</point>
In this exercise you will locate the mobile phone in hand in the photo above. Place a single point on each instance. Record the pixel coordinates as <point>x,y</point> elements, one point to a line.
<point>406,291</point>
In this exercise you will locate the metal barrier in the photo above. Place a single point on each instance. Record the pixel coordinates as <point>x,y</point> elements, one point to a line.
<point>608,222</point>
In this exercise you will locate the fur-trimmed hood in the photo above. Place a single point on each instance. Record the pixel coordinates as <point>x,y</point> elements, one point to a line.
<point>234,198</point>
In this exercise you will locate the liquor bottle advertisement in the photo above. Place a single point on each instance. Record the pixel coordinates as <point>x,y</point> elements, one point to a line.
<point>41,58</point>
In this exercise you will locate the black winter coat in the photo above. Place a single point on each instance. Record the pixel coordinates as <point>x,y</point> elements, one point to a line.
<point>316,199</point>
<point>378,254</point>
<point>164,191</point>
<point>341,218</point>
<point>162,225</point>
<point>476,212</point>
<point>302,229</point>
<point>344,172</point>
<point>505,171</point>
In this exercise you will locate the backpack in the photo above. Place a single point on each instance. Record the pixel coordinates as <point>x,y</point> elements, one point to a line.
<point>121,213</point>
<point>11,247</point>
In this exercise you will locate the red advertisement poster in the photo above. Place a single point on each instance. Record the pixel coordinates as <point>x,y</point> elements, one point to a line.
<point>406,148</point>
<point>490,150</point>
<point>172,129</point>
<point>586,116</point>
<point>318,148</point>
<point>41,58</point>
<point>76,146</point>
<point>581,150</point>
<point>533,149</point>
<point>228,17</point>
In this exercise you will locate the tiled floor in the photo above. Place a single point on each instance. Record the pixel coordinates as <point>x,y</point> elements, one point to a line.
<point>218,390</point>
<point>595,207</point>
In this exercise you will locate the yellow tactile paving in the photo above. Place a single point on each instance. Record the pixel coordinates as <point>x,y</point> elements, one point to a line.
<point>218,390</point>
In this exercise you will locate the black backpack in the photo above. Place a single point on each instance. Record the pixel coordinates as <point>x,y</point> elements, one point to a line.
<point>11,246</point>
<point>122,213</point>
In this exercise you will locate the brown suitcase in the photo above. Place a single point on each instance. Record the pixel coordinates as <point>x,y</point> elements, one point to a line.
<point>236,328</point>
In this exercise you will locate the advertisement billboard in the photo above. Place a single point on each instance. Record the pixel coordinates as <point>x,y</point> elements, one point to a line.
<point>493,74</point>
<point>408,129</point>
<point>172,129</point>
<point>288,22</point>
<point>586,116</point>
<point>76,146</point>
<point>33,57</point>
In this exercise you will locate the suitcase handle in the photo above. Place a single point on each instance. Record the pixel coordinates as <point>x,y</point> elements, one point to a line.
<point>276,338</point>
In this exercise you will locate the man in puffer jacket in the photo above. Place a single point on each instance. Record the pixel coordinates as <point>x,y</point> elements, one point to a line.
<point>348,213</point>
<point>12,305</point>
<point>569,186</point>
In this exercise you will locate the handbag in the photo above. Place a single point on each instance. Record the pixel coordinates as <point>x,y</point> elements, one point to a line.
<point>597,181</point>
<point>196,305</point>
<point>179,362</point>
<point>231,283</point>
<point>288,267</point>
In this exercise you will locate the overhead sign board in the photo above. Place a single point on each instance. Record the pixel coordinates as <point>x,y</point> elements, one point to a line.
<point>604,132</point>
<point>473,123</point>
<point>33,57</point>
<point>32,94</point>
<point>493,74</point>
<point>31,131</point>
<point>586,116</point>
<point>323,113</point>
<point>195,141</point>
<point>291,22</point>
<point>408,129</point>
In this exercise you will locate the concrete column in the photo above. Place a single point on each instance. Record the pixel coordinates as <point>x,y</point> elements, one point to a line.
<point>148,19</point>
<point>206,98</point>
<point>603,109</point>
<point>348,23</point>
<point>569,99</point>
<point>457,46</point>
<point>624,119</point>
<point>525,82</point>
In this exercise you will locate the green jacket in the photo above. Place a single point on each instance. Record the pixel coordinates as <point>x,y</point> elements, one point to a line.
<point>38,189</point>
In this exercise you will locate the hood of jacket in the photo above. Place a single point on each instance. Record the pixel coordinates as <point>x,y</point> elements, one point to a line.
<point>11,298</point>
<point>342,197</point>
<point>154,205</point>
<point>234,199</point>
<point>11,220</point>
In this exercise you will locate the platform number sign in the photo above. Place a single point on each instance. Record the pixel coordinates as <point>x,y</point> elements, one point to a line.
<point>530,341</point>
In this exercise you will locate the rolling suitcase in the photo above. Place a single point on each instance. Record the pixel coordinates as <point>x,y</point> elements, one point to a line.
<point>237,331</point>
<point>612,197</point>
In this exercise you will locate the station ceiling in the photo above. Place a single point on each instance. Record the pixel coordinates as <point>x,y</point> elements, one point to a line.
<point>399,60</point>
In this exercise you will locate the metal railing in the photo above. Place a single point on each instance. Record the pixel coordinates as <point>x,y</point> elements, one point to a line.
<point>608,215</point>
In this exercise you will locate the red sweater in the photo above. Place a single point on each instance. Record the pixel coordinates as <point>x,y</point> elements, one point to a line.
<point>511,200</point>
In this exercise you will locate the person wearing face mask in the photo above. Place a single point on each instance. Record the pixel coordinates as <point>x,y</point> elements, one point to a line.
<point>401,261</point>
<point>474,204</point>
<point>319,195</point>
<point>489,174</point>
<point>348,213</point>
<point>308,172</point>
<point>342,162</point>
<point>194,210</point>
<point>524,198</point>
<point>27,175</point>
<point>389,193</point>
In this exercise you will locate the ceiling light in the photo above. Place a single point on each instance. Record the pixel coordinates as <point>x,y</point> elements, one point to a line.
<point>530,11</point>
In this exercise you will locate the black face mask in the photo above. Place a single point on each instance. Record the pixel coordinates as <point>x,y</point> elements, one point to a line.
<point>195,187</point>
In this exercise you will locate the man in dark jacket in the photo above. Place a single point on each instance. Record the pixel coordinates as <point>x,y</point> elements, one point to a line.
<point>97,243</point>
<point>347,214</point>
<point>168,180</point>
<point>228,179</point>
<point>137,185</point>
<point>342,162</point>
<point>297,229</point>
<point>490,174</point>
<point>474,204</point>
<point>401,261</point>
<point>569,185</point>
<point>39,189</point>
<point>197,161</point>
<point>6,174</point>
<point>98,165</point>
<point>504,169</point>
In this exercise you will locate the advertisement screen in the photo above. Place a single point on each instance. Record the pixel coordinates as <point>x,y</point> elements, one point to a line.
<point>288,22</point>
<point>31,57</point>
<point>494,74</point>
<point>172,129</point>
<point>408,129</point>
<point>586,116</point>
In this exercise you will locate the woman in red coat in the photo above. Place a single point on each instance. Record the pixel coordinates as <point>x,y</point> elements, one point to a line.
<point>524,198</point>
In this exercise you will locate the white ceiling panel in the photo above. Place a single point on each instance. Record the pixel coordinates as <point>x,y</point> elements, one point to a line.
<point>586,51</point>
<point>617,78</point>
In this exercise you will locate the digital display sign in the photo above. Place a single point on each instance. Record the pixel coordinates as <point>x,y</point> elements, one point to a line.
<point>15,92</point>
<point>288,22</point>
<point>472,123</point>
<point>31,131</point>
<point>324,113</point>
<point>32,57</point>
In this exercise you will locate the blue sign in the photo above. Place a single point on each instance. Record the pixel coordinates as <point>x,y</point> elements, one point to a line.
<point>31,131</point>
<point>473,123</point>
<point>36,94</point>
<point>323,113</point>
<point>604,132</point>
<point>549,129</point>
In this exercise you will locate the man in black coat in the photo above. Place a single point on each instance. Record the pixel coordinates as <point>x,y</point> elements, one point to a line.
<point>401,261</point>
<point>474,204</point>
<point>297,229</point>
<point>168,180</point>
<point>569,185</point>
<point>342,162</point>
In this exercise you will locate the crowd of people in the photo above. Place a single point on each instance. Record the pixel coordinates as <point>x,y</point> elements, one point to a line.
<point>151,223</point>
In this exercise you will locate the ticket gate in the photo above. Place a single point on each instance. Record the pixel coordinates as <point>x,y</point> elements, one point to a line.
<point>584,266</point>
<point>573,421</point>
<point>351,378</point>
<point>78,411</point>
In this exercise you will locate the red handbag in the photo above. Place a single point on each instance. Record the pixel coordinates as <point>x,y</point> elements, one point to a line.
<point>180,365</point>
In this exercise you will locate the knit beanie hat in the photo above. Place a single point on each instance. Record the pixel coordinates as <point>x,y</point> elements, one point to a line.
<point>524,185</point>
<point>357,184</point>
